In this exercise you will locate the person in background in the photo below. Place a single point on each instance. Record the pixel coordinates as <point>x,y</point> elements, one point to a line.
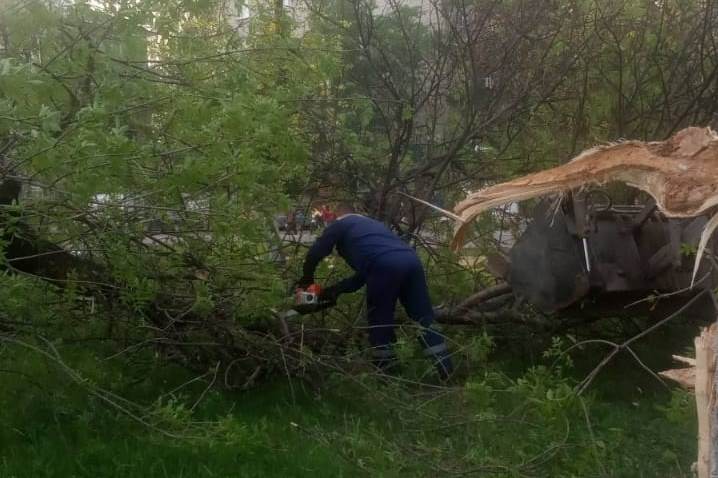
<point>317,220</point>
<point>391,270</point>
<point>291,223</point>
<point>299,218</point>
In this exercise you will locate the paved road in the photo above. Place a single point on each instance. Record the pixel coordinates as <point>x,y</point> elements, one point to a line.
<point>305,237</point>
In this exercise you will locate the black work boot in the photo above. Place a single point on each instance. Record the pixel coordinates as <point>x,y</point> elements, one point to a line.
<point>438,353</point>
<point>385,360</point>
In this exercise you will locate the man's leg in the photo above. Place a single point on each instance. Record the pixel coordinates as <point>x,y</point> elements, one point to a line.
<point>414,296</point>
<point>382,289</point>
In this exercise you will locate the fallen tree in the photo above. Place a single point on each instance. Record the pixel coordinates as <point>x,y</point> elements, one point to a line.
<point>151,173</point>
<point>681,174</point>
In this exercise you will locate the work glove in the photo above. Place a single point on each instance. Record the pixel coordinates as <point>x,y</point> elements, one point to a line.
<point>329,294</point>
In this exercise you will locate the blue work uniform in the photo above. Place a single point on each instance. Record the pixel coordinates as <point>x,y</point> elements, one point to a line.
<point>391,270</point>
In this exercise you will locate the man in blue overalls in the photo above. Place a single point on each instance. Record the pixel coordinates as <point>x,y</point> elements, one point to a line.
<point>391,270</point>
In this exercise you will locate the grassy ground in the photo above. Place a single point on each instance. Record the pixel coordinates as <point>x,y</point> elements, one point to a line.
<point>53,428</point>
<point>524,423</point>
<point>46,435</point>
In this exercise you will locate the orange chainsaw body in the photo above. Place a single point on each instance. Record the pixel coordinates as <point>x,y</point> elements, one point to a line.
<point>307,296</point>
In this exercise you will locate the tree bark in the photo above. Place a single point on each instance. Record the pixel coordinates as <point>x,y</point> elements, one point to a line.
<point>705,400</point>
<point>700,377</point>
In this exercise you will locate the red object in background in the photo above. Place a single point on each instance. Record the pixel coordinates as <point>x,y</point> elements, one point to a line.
<point>328,215</point>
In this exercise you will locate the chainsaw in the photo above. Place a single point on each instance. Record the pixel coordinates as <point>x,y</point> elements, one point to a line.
<point>306,301</point>
<point>307,296</point>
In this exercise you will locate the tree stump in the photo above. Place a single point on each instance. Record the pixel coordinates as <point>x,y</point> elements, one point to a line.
<point>701,378</point>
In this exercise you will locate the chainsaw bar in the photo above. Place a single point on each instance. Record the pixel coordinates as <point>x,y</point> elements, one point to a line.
<point>304,309</point>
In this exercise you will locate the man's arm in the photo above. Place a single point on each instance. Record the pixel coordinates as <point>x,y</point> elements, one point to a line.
<point>321,248</point>
<point>351,284</point>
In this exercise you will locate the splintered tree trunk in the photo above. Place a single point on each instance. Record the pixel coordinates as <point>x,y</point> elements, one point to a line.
<point>701,378</point>
<point>705,402</point>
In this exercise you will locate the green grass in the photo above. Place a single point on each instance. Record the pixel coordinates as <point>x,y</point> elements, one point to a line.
<point>59,437</point>
<point>528,425</point>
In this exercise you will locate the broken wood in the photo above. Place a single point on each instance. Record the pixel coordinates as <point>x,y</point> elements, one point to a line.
<point>700,377</point>
<point>686,360</point>
<point>705,399</point>
<point>680,173</point>
<point>685,377</point>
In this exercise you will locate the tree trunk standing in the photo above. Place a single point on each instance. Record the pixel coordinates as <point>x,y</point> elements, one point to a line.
<point>278,16</point>
<point>705,402</point>
<point>5,47</point>
<point>705,369</point>
<point>701,378</point>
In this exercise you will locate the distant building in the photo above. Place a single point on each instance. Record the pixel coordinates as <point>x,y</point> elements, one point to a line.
<point>240,14</point>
